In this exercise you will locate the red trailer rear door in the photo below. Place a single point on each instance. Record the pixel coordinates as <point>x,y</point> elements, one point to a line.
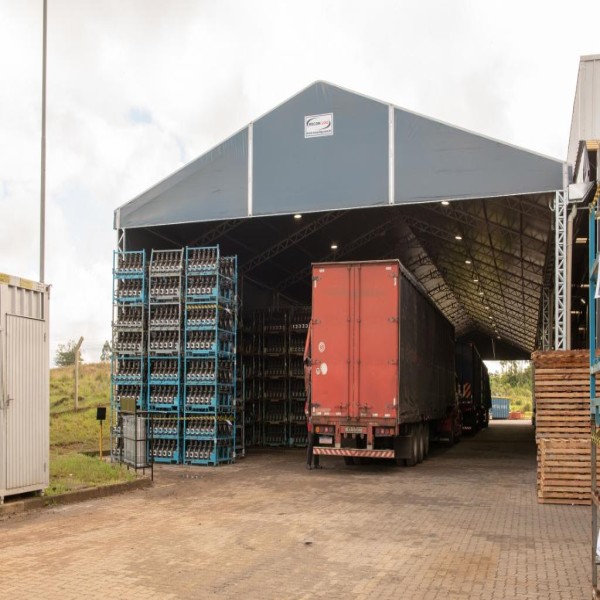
<point>330,340</point>
<point>376,339</point>
<point>354,345</point>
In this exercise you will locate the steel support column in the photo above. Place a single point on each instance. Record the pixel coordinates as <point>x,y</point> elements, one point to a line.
<point>560,271</point>
<point>121,240</point>
<point>546,319</point>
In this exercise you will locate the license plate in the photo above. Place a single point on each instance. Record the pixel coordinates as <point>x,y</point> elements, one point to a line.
<point>355,430</point>
<point>325,439</point>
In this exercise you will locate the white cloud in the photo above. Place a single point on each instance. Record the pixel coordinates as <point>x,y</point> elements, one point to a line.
<point>202,70</point>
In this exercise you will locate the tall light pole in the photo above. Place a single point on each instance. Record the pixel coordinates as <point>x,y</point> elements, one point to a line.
<point>43,166</point>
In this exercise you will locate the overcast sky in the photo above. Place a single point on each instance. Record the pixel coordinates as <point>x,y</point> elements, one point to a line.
<point>137,88</point>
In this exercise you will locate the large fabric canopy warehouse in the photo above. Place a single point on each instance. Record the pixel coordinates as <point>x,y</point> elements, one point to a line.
<point>334,175</point>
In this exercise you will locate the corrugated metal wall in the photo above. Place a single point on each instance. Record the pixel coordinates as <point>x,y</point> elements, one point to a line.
<point>24,391</point>
<point>585,124</point>
<point>23,303</point>
<point>27,415</point>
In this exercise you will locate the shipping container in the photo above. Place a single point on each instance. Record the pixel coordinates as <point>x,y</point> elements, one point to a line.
<point>474,387</point>
<point>24,386</point>
<point>381,363</point>
<point>500,408</point>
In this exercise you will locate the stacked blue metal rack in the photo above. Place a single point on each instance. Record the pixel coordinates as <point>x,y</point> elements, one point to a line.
<point>273,357</point>
<point>164,354</point>
<point>209,357</point>
<point>275,377</point>
<point>299,319</point>
<point>128,343</point>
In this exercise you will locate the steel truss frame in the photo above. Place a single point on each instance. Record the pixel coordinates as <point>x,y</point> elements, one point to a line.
<point>561,202</point>
<point>306,231</point>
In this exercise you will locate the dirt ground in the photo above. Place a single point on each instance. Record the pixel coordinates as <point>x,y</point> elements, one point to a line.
<point>464,524</point>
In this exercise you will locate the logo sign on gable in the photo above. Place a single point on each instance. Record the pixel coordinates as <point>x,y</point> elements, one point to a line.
<point>318,125</point>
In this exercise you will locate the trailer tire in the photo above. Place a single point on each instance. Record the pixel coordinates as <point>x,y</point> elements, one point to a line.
<point>421,443</point>
<point>451,437</point>
<point>348,460</point>
<point>414,449</point>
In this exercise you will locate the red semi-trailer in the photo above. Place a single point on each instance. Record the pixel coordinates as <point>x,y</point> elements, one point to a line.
<point>475,398</point>
<point>381,364</point>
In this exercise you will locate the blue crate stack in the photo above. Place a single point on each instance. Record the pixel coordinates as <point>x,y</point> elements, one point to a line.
<point>166,276</point>
<point>298,319</point>
<point>251,362</point>
<point>272,349</point>
<point>275,377</point>
<point>209,357</point>
<point>129,342</point>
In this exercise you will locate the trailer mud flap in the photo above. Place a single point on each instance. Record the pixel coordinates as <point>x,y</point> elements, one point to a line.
<point>403,446</point>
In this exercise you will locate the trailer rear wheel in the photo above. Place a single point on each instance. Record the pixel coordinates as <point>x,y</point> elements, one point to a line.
<point>451,437</point>
<point>426,432</point>
<point>414,449</point>
<point>420,430</point>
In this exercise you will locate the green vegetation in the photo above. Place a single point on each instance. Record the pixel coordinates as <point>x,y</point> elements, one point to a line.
<point>70,430</point>
<point>73,471</point>
<point>65,354</point>
<point>106,351</point>
<point>514,383</point>
<point>74,433</point>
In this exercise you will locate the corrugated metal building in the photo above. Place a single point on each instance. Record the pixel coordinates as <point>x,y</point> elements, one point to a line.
<point>24,386</point>
<point>585,124</point>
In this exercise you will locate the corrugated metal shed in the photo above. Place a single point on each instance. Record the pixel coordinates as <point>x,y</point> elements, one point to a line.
<point>373,181</point>
<point>585,124</point>
<point>24,386</point>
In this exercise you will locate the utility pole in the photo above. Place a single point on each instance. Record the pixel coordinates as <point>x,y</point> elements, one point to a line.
<point>43,166</point>
<point>77,348</point>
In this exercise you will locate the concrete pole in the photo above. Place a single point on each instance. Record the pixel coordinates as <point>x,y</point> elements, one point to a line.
<point>43,157</point>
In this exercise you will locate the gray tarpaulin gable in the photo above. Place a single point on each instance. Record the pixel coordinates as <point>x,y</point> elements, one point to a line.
<point>348,169</point>
<point>360,173</point>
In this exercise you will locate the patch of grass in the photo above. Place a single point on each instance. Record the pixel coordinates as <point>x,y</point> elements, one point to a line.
<point>74,432</point>
<point>79,431</point>
<point>94,387</point>
<point>73,471</point>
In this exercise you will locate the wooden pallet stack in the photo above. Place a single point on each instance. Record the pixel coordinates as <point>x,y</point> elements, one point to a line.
<point>562,399</point>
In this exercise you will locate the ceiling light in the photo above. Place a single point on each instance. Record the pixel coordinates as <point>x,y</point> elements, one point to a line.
<point>481,293</point>
<point>582,300</point>
<point>490,317</point>
<point>498,337</point>
<point>581,240</point>
<point>445,203</point>
<point>458,237</point>
<point>584,285</point>
<point>487,307</point>
<point>467,262</point>
<point>581,328</point>
<point>297,217</point>
<point>334,246</point>
<point>475,279</point>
